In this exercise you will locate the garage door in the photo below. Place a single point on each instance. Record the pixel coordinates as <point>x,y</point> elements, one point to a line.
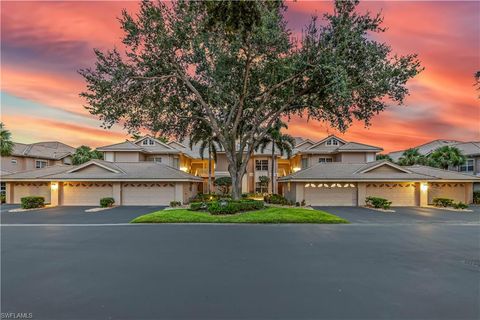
<point>317,194</point>
<point>28,189</point>
<point>401,194</point>
<point>85,193</point>
<point>148,193</point>
<point>455,191</point>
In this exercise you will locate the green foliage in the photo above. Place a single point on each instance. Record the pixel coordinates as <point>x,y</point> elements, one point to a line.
<point>379,203</point>
<point>460,205</point>
<point>3,198</point>
<point>106,202</point>
<point>32,202</point>
<point>277,199</point>
<point>174,204</point>
<point>442,202</point>
<point>235,67</point>
<point>196,206</point>
<point>476,197</point>
<point>252,195</point>
<point>224,184</point>
<point>384,157</point>
<point>412,157</point>
<point>84,154</point>
<point>446,157</point>
<point>205,197</point>
<point>6,143</point>
<point>231,207</point>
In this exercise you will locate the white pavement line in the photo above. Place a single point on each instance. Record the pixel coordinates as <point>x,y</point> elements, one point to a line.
<point>65,224</point>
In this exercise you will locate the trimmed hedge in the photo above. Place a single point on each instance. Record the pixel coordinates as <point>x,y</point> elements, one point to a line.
<point>231,207</point>
<point>378,203</point>
<point>107,202</point>
<point>442,202</point>
<point>32,202</point>
<point>476,197</point>
<point>174,204</point>
<point>460,205</point>
<point>277,199</point>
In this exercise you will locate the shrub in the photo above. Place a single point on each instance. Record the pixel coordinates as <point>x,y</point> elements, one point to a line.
<point>231,207</point>
<point>442,202</point>
<point>460,205</point>
<point>32,202</point>
<point>107,202</point>
<point>276,199</point>
<point>200,197</point>
<point>303,203</point>
<point>174,204</point>
<point>223,183</point>
<point>379,203</point>
<point>3,198</point>
<point>196,206</point>
<point>476,197</point>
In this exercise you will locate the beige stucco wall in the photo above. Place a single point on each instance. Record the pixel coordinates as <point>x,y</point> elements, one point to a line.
<point>355,157</point>
<point>127,156</point>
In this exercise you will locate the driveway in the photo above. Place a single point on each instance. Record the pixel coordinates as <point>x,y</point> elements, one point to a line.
<point>405,215</point>
<point>75,215</point>
<point>423,271</point>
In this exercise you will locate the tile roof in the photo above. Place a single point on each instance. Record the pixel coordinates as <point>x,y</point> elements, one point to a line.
<point>47,150</point>
<point>425,148</point>
<point>147,171</point>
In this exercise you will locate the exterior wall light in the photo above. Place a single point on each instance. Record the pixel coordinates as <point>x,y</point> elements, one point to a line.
<point>424,187</point>
<point>54,186</point>
<point>184,169</point>
<point>295,169</point>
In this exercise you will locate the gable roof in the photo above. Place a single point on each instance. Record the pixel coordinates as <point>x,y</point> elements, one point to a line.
<point>340,171</point>
<point>133,146</point>
<point>52,150</point>
<point>120,171</point>
<point>127,145</point>
<point>425,148</point>
<point>370,166</point>
<point>355,146</point>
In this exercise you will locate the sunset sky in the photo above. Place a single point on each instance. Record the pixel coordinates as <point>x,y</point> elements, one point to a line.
<point>45,43</point>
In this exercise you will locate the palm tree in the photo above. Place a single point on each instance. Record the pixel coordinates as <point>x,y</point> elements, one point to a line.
<point>411,157</point>
<point>208,142</point>
<point>84,154</point>
<point>283,142</point>
<point>384,157</point>
<point>446,157</point>
<point>6,144</point>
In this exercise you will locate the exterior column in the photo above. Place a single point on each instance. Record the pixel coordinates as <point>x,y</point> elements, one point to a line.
<point>361,194</point>
<point>423,194</point>
<point>117,193</point>
<point>469,192</point>
<point>179,192</point>
<point>54,193</point>
<point>9,192</point>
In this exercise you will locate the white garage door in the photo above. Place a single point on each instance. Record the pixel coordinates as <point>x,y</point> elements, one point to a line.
<point>328,196</point>
<point>147,193</point>
<point>30,189</point>
<point>85,193</point>
<point>455,191</point>
<point>401,194</point>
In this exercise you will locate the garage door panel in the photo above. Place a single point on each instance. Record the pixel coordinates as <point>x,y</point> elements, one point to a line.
<point>400,194</point>
<point>327,196</point>
<point>148,193</point>
<point>455,191</point>
<point>30,189</point>
<point>87,194</point>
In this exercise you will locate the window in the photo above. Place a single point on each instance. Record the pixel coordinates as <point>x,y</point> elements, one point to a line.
<point>40,164</point>
<point>261,165</point>
<point>157,159</point>
<point>148,142</point>
<point>468,166</point>
<point>332,142</point>
<point>3,188</point>
<point>324,160</point>
<point>261,188</point>
<point>304,163</point>
<point>14,161</point>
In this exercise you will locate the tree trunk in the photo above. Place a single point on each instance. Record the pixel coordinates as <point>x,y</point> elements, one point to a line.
<point>273,167</point>
<point>209,184</point>
<point>236,185</point>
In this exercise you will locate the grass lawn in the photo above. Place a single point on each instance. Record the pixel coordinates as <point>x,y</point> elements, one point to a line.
<point>268,215</point>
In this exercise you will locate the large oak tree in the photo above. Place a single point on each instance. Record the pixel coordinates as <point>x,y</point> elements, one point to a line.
<point>236,68</point>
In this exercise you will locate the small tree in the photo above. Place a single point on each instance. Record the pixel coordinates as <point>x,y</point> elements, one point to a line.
<point>264,180</point>
<point>234,66</point>
<point>6,144</point>
<point>224,184</point>
<point>447,157</point>
<point>84,154</point>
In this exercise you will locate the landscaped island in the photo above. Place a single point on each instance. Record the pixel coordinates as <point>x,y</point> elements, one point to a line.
<point>267,215</point>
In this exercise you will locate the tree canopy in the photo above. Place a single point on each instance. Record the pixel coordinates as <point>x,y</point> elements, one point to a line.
<point>236,68</point>
<point>85,153</point>
<point>6,143</point>
<point>446,157</point>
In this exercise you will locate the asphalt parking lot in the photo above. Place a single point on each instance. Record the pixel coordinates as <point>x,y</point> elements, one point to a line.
<point>74,215</point>
<point>361,270</point>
